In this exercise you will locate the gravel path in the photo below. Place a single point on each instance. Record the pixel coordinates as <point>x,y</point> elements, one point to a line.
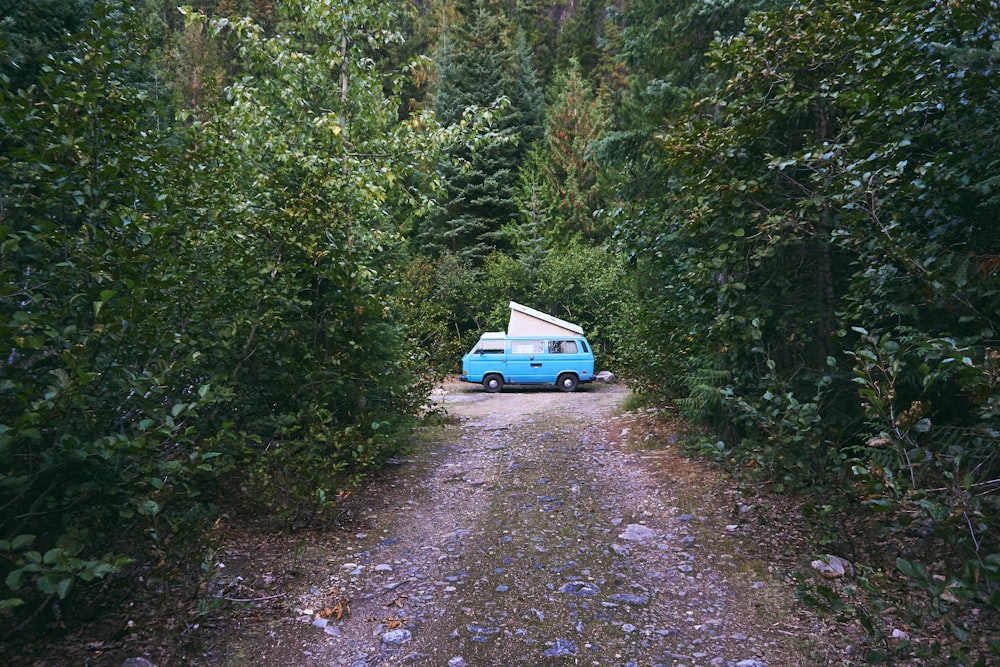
<point>531,530</point>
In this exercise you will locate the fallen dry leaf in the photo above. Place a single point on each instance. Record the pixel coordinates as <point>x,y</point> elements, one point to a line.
<point>337,611</point>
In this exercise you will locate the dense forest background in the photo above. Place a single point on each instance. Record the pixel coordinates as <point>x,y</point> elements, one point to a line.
<point>241,240</point>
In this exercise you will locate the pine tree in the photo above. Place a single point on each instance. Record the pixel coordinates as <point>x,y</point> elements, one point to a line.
<point>483,64</point>
<point>577,120</point>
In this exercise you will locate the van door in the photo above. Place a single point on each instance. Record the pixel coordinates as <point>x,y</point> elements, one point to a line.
<point>526,361</point>
<point>488,356</point>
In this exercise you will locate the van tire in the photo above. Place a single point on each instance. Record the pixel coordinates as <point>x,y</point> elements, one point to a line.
<point>567,382</point>
<point>493,383</point>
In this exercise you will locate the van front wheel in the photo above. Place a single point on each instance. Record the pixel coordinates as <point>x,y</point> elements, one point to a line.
<point>493,383</point>
<point>567,382</point>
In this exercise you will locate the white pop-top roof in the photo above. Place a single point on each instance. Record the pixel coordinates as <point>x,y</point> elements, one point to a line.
<point>526,321</point>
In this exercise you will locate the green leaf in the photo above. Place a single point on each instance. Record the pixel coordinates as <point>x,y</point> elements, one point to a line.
<point>912,569</point>
<point>63,587</point>
<point>47,583</point>
<point>10,603</point>
<point>21,541</point>
<point>15,579</point>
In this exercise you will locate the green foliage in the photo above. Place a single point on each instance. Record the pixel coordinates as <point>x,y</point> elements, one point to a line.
<point>936,472</point>
<point>177,299</point>
<point>576,182</point>
<point>824,205</point>
<point>31,30</point>
<point>303,251</point>
<point>482,64</point>
<point>857,599</point>
<point>98,405</point>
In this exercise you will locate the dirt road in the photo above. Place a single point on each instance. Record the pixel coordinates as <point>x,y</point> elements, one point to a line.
<point>535,528</point>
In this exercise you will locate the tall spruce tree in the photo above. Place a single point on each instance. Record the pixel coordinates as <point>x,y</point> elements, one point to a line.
<point>483,64</point>
<point>577,119</point>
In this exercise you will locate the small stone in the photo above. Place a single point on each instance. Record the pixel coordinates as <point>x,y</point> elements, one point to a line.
<point>832,567</point>
<point>349,566</point>
<point>321,622</point>
<point>457,661</point>
<point>397,637</point>
<point>606,376</point>
<point>561,647</point>
<point>751,663</point>
<point>631,599</point>
<point>383,567</point>
<point>636,532</point>
<point>628,628</point>
<point>580,589</point>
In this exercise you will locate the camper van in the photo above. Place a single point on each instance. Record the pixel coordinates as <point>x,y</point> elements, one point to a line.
<point>536,349</point>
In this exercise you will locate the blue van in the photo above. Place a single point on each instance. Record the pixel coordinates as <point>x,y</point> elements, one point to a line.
<point>562,359</point>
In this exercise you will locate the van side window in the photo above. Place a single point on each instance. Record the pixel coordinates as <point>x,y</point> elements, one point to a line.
<point>562,347</point>
<point>584,344</point>
<point>527,347</point>
<point>490,347</point>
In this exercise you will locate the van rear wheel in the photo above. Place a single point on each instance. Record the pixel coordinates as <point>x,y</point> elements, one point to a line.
<point>493,383</point>
<point>567,382</point>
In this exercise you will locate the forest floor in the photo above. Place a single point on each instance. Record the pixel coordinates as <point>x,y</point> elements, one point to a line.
<point>528,527</point>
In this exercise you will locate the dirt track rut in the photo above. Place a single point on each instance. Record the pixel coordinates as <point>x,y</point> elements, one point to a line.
<point>533,529</point>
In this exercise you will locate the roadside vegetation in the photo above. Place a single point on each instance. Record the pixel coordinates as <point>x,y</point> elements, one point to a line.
<point>241,240</point>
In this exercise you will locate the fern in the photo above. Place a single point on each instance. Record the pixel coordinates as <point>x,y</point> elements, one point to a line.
<point>705,400</point>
